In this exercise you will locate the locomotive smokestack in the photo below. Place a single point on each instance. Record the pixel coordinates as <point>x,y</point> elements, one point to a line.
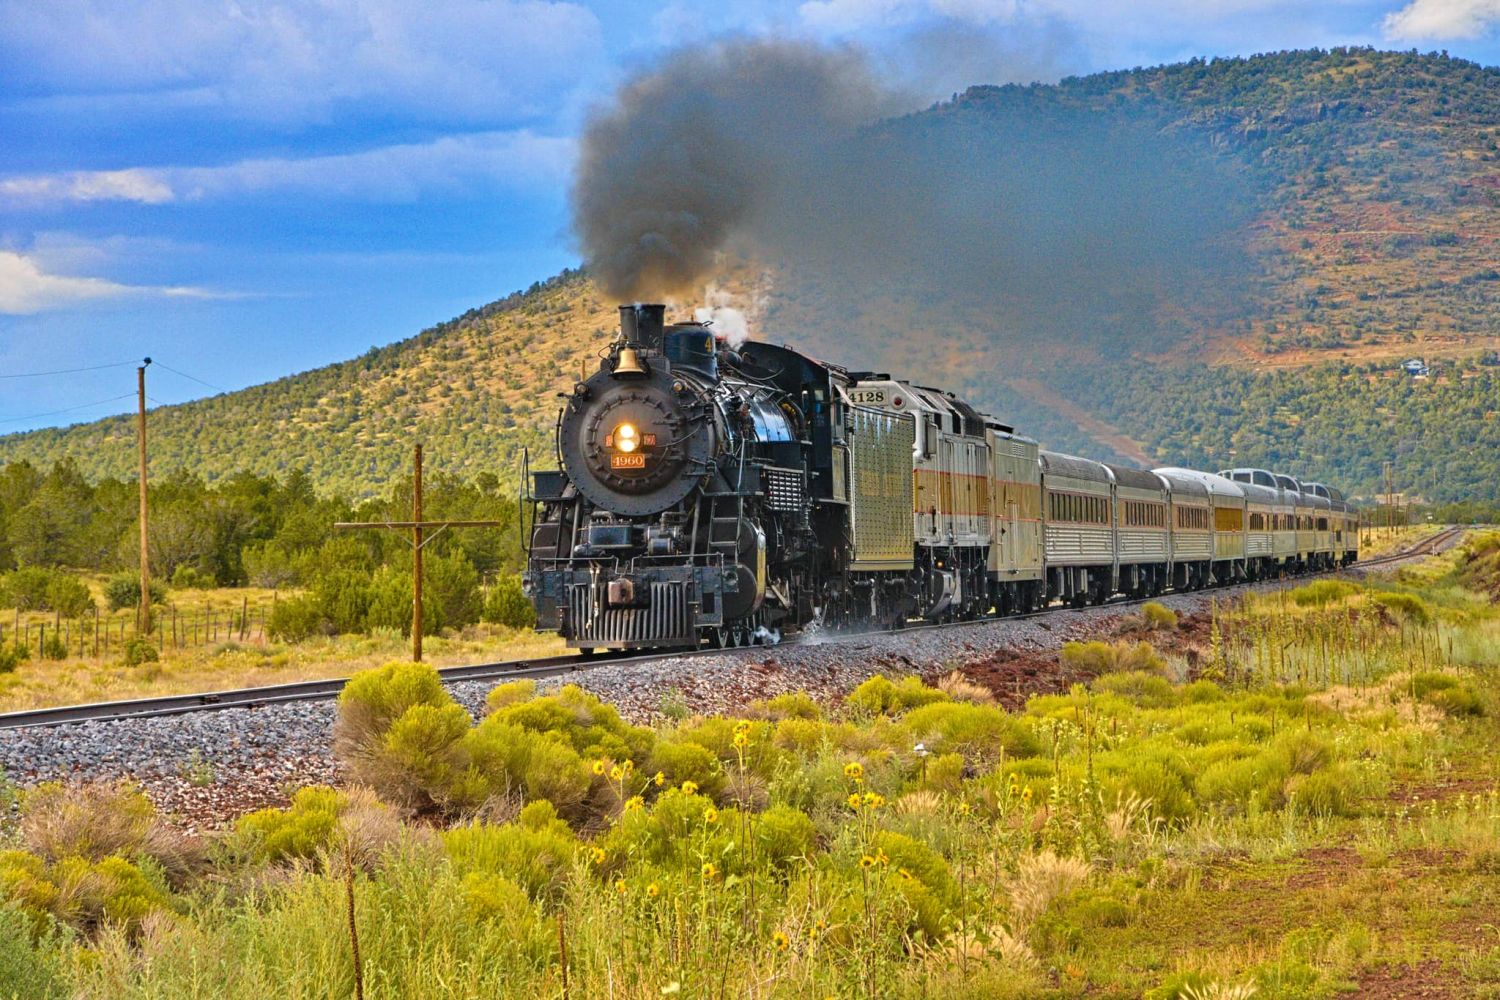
<point>641,325</point>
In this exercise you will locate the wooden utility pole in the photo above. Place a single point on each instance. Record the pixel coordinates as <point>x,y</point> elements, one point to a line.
<point>140,435</point>
<point>419,539</point>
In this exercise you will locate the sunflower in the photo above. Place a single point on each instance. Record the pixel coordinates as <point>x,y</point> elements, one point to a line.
<point>710,871</point>
<point>659,779</point>
<point>600,767</point>
<point>867,861</point>
<point>854,800</point>
<point>690,788</point>
<point>598,855</point>
<point>854,771</point>
<point>653,890</point>
<point>634,802</point>
<point>781,941</point>
<point>710,815</point>
<point>616,773</point>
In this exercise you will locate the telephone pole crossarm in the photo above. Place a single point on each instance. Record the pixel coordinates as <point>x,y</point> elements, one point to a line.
<point>422,532</point>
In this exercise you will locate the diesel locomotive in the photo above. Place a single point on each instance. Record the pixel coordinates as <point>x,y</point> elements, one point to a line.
<point>707,492</point>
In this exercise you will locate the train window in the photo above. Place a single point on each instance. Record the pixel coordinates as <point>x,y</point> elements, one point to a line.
<point>1322,524</point>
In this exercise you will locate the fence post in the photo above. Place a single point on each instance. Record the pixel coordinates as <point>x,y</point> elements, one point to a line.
<point>41,641</point>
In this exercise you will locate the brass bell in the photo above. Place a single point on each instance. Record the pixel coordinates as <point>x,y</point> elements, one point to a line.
<point>629,362</point>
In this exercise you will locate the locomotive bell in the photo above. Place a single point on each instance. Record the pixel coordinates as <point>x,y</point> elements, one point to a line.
<point>629,362</point>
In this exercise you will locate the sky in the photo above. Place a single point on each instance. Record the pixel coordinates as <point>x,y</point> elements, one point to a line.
<point>242,189</point>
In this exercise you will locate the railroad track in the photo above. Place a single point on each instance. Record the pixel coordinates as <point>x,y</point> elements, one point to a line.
<point>540,668</point>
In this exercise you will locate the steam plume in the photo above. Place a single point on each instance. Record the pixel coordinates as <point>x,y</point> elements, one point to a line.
<point>1047,218</point>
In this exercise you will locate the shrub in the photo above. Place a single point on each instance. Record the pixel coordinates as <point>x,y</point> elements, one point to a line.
<point>535,852</point>
<point>1145,690</point>
<point>123,590</point>
<point>1330,792</point>
<point>342,599</point>
<point>880,695</point>
<point>189,577</point>
<point>138,651</point>
<point>1158,616</point>
<point>450,592</point>
<point>1094,659</point>
<point>318,819</point>
<point>796,705</point>
<point>1321,593</point>
<point>507,759</point>
<point>506,604</point>
<point>69,596</point>
<point>783,837</point>
<point>1408,608</point>
<point>400,732</point>
<point>1447,693</point>
<point>679,761</point>
<point>297,832</point>
<point>592,727</point>
<point>295,619</point>
<point>26,588</point>
<point>1244,784</point>
<point>976,731</point>
<point>96,821</point>
<point>510,693</point>
<point>959,688</point>
<point>27,970</point>
<point>12,655</point>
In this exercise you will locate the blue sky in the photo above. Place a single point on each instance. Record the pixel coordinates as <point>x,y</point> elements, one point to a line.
<point>246,188</point>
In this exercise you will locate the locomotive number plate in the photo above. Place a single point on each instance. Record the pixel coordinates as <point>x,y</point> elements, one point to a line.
<point>876,396</point>
<point>636,461</point>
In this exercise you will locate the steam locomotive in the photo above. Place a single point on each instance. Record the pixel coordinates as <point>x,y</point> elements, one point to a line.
<point>728,495</point>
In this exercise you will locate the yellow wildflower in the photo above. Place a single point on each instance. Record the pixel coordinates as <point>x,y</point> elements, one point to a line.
<point>616,773</point>
<point>598,855</point>
<point>710,871</point>
<point>854,770</point>
<point>867,861</point>
<point>629,766</point>
<point>903,873</point>
<point>653,890</point>
<point>659,780</point>
<point>854,800</point>
<point>690,788</point>
<point>634,802</point>
<point>741,727</point>
<point>963,809</point>
<point>1026,794</point>
<point>882,858</point>
<point>710,815</point>
<point>600,766</point>
<point>780,940</point>
<point>740,741</point>
<point>620,886</point>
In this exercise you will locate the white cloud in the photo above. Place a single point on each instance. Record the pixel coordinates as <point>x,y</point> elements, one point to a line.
<point>514,160</point>
<point>471,60</point>
<point>1423,20</point>
<point>26,287</point>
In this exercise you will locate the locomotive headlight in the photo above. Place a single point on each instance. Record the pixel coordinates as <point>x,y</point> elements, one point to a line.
<point>627,438</point>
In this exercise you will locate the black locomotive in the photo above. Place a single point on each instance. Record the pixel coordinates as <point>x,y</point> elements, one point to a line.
<point>708,492</point>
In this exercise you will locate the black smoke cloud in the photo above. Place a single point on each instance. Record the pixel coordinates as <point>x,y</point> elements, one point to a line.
<point>1054,216</point>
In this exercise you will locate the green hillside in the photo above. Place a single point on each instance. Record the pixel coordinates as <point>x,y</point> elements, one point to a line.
<point>1370,232</point>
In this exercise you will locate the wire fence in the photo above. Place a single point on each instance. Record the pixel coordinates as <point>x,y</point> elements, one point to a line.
<point>101,636</point>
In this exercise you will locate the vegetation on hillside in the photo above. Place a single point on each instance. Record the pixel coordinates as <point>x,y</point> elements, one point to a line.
<point>1119,839</point>
<point>1374,180</point>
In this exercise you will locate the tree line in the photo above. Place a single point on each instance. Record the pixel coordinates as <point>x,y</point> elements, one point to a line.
<point>262,531</point>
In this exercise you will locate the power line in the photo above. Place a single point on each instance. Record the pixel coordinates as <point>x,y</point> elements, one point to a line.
<point>194,378</point>
<point>70,409</point>
<point>68,371</point>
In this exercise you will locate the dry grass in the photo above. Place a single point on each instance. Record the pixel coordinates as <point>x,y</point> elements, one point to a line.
<point>99,820</point>
<point>40,683</point>
<point>958,687</point>
<point>1042,878</point>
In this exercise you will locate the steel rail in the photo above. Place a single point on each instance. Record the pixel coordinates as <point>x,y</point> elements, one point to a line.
<point>539,668</point>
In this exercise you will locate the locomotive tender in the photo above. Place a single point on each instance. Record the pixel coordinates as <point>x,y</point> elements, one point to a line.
<point>728,495</point>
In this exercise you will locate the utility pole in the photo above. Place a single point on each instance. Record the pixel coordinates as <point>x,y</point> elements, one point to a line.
<point>140,435</point>
<point>1390,517</point>
<point>419,539</point>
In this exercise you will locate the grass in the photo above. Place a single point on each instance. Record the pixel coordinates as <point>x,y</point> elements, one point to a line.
<point>1311,809</point>
<point>221,658</point>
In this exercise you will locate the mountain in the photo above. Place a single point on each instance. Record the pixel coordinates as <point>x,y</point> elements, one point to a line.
<point>1363,228</point>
